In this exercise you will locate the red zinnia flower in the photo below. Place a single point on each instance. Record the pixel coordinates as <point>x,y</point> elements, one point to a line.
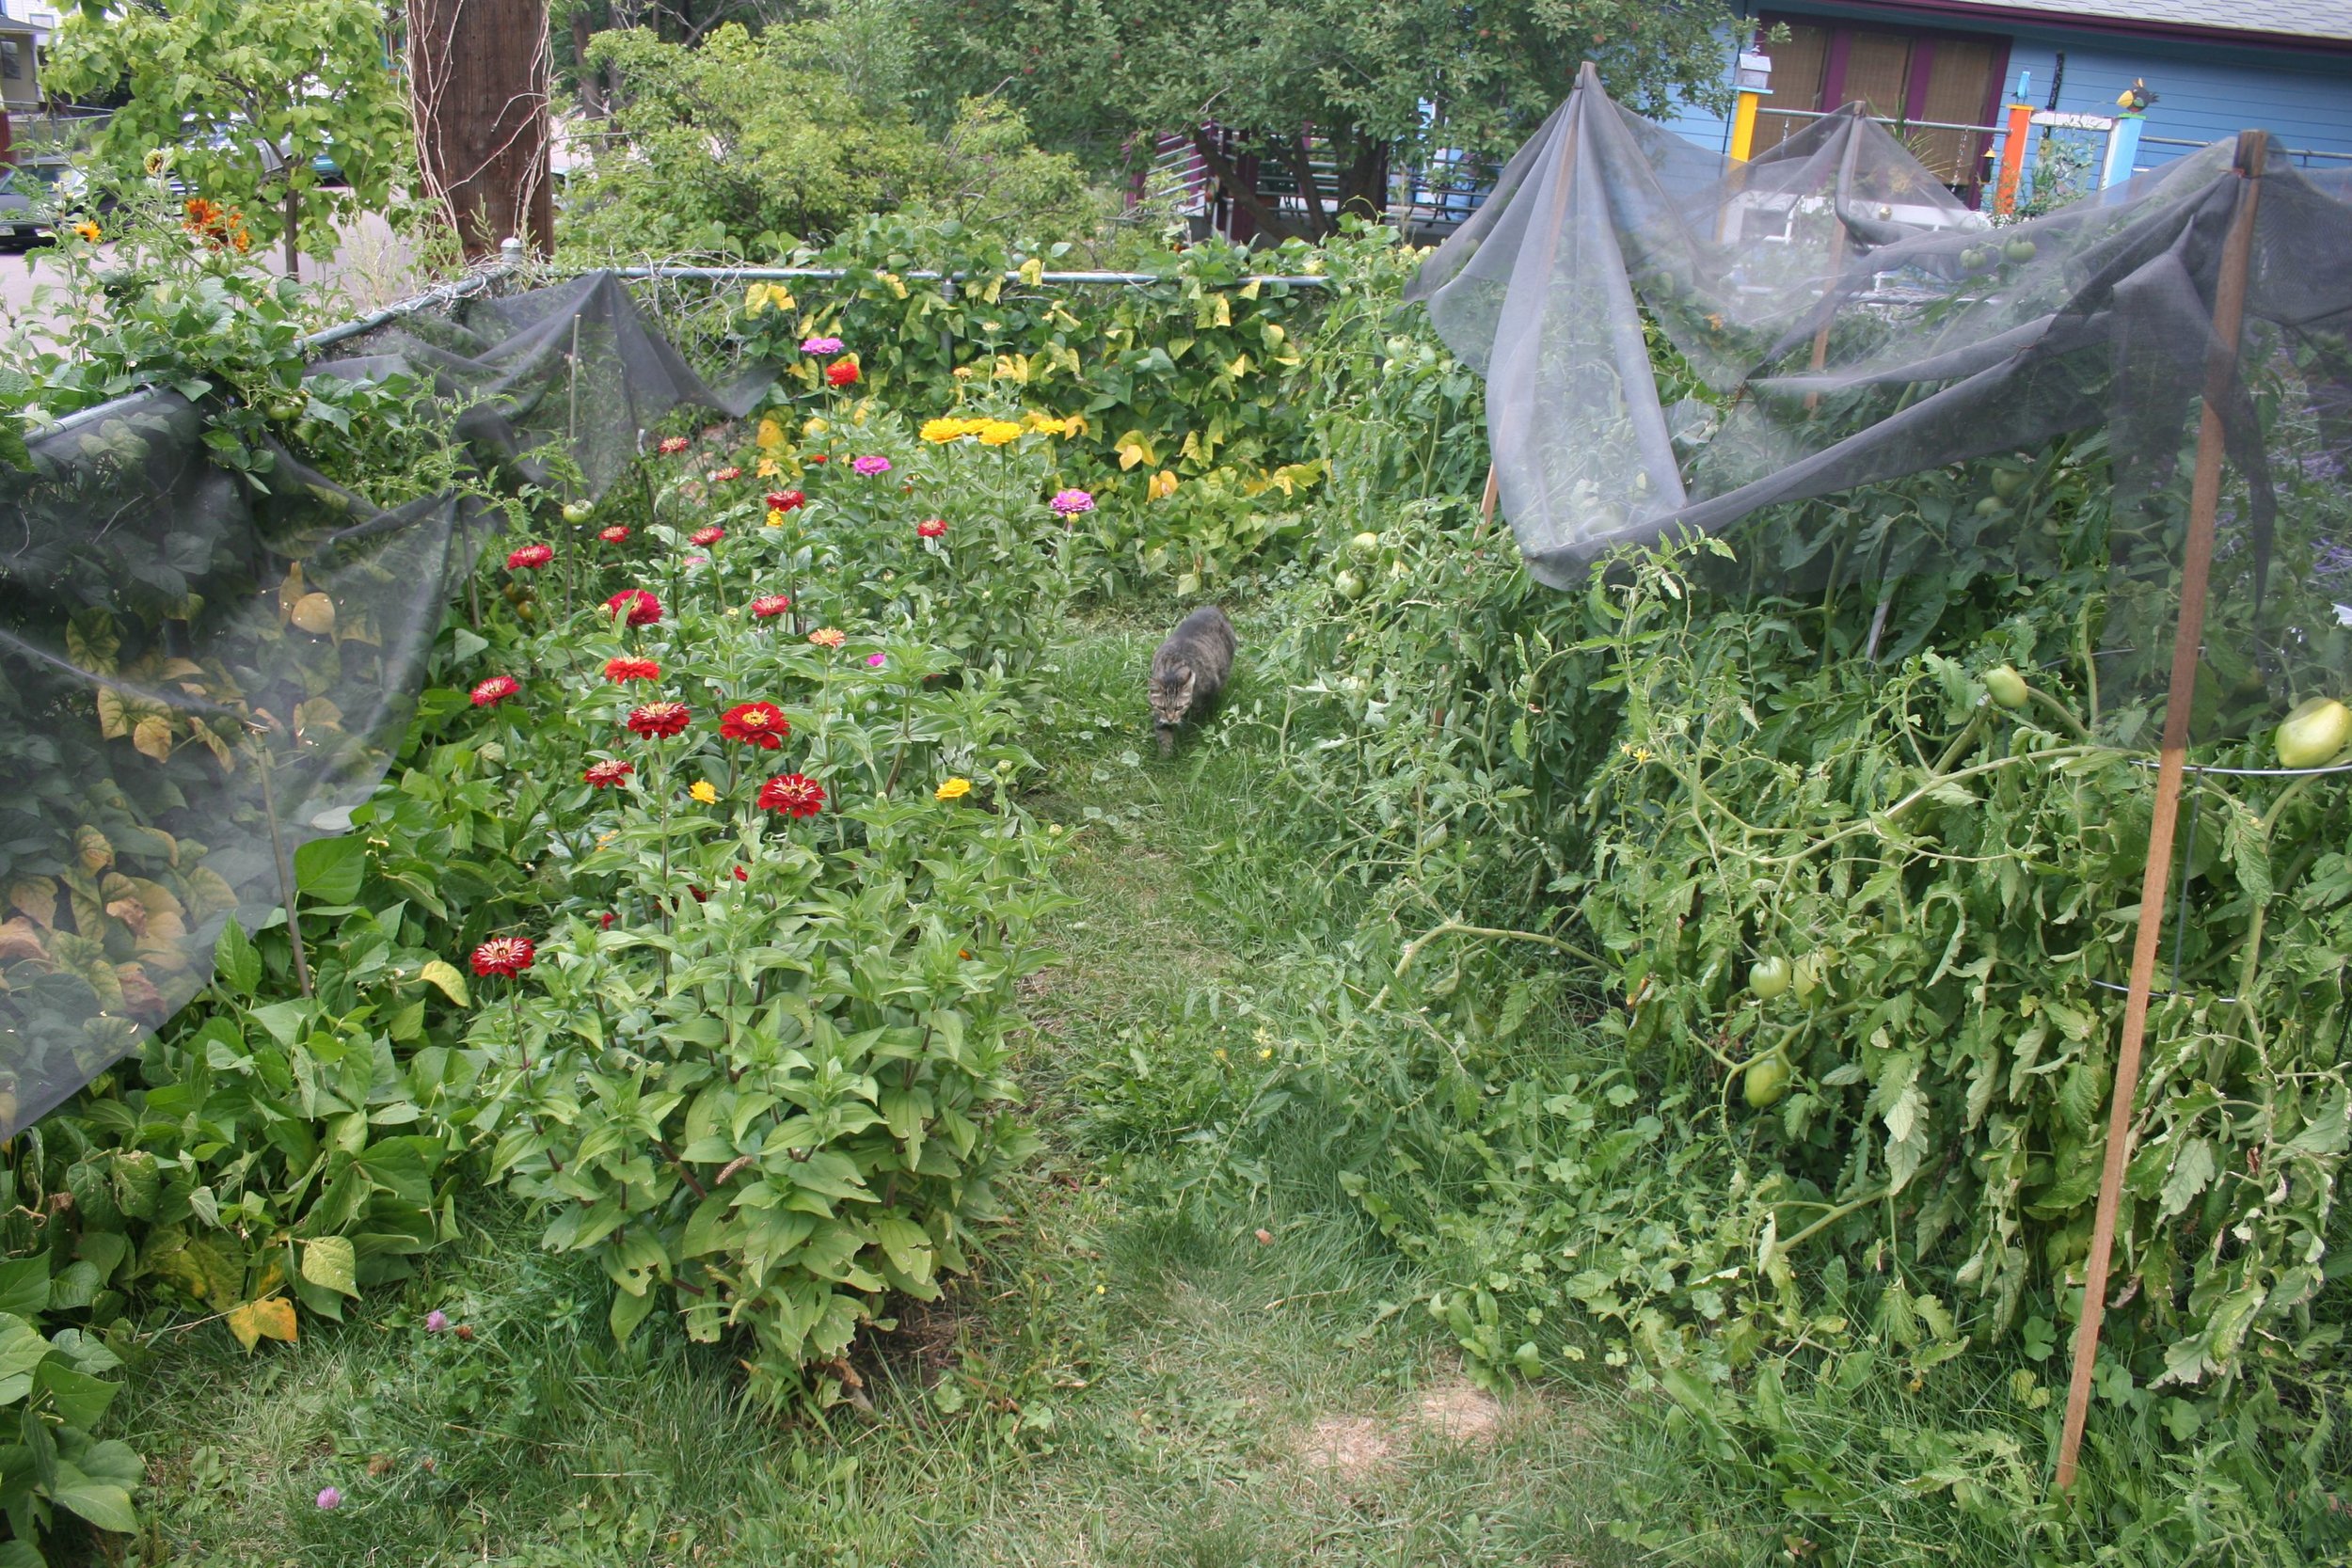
<point>530,558</point>
<point>785,501</point>
<point>495,690</point>
<point>720,476</point>
<point>507,955</point>
<point>604,775</point>
<point>842,373</point>
<point>710,535</point>
<point>614,535</point>
<point>672,445</point>
<point>620,669</point>
<point>793,794</point>
<point>742,875</point>
<point>658,720</point>
<point>932,529</point>
<point>816,457</point>
<point>760,725</point>
<point>769,606</point>
<point>604,921</point>
<point>641,606</point>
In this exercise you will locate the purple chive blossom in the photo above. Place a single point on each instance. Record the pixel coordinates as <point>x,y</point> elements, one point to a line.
<point>869,467</point>
<point>330,1498</point>
<point>821,345</point>
<point>436,1321</point>
<point>875,661</point>
<point>1069,503</point>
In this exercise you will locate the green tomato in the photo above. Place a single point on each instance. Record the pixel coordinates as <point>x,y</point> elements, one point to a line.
<point>2314,733</point>
<point>2019,250</point>
<point>1765,1084</point>
<point>577,512</point>
<point>1991,506</point>
<point>1811,971</point>
<point>2008,482</point>
<point>1972,259</point>
<point>2006,686</point>
<point>1365,548</point>
<point>1770,978</point>
<point>1348,585</point>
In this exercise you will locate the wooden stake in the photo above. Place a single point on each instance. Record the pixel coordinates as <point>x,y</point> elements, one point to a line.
<point>2229,316</point>
<point>1494,492</point>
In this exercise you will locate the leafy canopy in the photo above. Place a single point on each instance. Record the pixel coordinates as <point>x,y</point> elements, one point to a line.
<point>235,97</point>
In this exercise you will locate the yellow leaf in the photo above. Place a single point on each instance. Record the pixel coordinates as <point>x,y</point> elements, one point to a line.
<point>152,737</point>
<point>291,590</point>
<point>112,721</point>
<point>254,1321</point>
<point>37,897</point>
<point>1130,453</point>
<point>1239,368</point>
<point>1224,309</point>
<point>1249,290</point>
<point>770,436</point>
<point>90,846</point>
<point>1033,270</point>
<point>442,972</point>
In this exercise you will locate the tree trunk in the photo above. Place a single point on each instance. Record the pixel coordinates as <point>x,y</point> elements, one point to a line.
<point>1364,182</point>
<point>477,81</point>
<point>591,90</point>
<point>1242,191</point>
<point>294,229</point>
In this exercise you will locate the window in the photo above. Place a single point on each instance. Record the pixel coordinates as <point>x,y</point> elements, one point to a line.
<point>12,59</point>
<point>1905,76</point>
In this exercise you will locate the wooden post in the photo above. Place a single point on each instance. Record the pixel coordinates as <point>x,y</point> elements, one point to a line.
<point>2229,316</point>
<point>1494,494</point>
<point>2014,140</point>
<point>478,92</point>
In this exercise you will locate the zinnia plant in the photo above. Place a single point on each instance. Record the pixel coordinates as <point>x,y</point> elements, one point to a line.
<point>530,558</point>
<point>931,529</point>
<point>495,690</point>
<point>1069,503</point>
<point>842,373</point>
<point>785,501</point>
<point>869,466</point>
<point>760,725</point>
<point>821,345</point>
<point>792,794</point>
<point>672,445</point>
<point>954,789</point>
<point>657,720</point>
<point>638,605</point>
<point>507,955</point>
<point>616,534</point>
<point>828,637</point>
<point>722,476</point>
<point>769,606</point>
<point>621,671</point>
<point>604,775</point>
<point>707,536</point>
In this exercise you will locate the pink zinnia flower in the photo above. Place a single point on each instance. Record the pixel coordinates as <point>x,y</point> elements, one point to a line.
<point>932,529</point>
<point>710,535</point>
<point>640,607</point>
<point>821,345</point>
<point>507,955</point>
<point>721,476</point>
<point>672,445</point>
<point>794,794</point>
<point>875,661</point>
<point>530,558</point>
<point>769,606</point>
<point>495,690</point>
<point>1069,503</point>
<point>869,467</point>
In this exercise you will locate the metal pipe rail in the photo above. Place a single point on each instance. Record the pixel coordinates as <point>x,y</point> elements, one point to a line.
<point>756,275</point>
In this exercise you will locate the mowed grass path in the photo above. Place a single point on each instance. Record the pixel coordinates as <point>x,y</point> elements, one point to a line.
<point>1145,1369</point>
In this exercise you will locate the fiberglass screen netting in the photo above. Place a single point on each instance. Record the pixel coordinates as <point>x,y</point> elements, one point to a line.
<point>198,675</point>
<point>1836,319</point>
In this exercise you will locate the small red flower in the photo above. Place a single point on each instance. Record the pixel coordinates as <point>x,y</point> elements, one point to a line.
<point>792,793</point>
<point>530,558</point>
<point>658,720</point>
<point>495,690</point>
<point>616,534</point>
<point>619,670</point>
<point>710,535</point>
<point>672,445</point>
<point>604,921</point>
<point>700,896</point>
<point>785,501</point>
<point>507,955</point>
<point>816,457</point>
<point>760,725</point>
<point>604,775</point>
<point>641,606</point>
<point>720,476</point>
<point>842,373</point>
<point>742,875</point>
<point>932,529</point>
<point>769,606</point>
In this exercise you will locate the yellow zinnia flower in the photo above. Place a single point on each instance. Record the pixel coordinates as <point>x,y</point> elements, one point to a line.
<point>705,792</point>
<point>87,229</point>
<point>997,433</point>
<point>775,517</point>
<point>944,430</point>
<point>954,789</point>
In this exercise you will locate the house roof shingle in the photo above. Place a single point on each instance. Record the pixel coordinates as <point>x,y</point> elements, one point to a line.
<point>2307,19</point>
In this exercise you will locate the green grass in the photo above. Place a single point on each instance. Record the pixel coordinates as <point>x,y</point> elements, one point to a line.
<point>1171,1353</point>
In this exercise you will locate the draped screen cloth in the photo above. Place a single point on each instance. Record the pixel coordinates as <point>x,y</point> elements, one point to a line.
<point>1844,322</point>
<point>181,651</point>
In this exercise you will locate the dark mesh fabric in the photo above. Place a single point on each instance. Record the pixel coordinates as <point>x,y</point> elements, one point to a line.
<point>179,650</point>
<point>1853,324</point>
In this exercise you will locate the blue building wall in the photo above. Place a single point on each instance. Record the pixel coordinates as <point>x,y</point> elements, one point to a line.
<point>2204,92</point>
